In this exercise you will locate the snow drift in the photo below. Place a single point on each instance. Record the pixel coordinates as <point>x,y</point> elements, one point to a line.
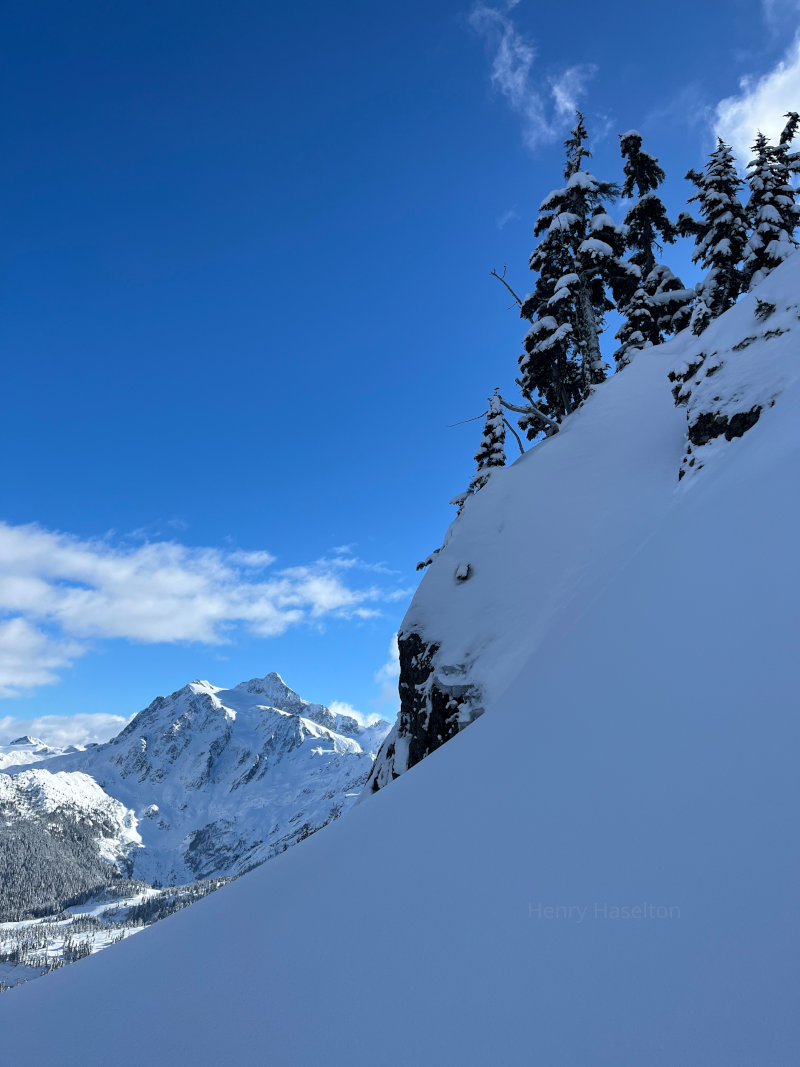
<point>602,868</point>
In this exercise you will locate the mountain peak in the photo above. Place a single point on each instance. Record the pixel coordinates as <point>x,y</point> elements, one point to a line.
<point>268,683</point>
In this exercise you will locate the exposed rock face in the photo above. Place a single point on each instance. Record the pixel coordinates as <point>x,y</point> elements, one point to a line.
<point>436,702</point>
<point>709,425</point>
<point>726,387</point>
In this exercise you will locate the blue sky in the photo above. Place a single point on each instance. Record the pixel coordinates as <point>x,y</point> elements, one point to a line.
<point>245,291</point>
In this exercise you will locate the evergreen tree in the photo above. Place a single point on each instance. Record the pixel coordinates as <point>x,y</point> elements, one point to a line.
<point>577,261</point>
<point>659,305</point>
<point>639,329</point>
<point>720,235</point>
<point>492,452</point>
<point>787,163</point>
<point>646,222</point>
<point>772,210</point>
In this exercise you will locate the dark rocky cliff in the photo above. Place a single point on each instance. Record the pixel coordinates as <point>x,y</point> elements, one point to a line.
<point>436,701</point>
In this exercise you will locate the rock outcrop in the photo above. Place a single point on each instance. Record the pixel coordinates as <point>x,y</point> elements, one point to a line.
<point>436,701</point>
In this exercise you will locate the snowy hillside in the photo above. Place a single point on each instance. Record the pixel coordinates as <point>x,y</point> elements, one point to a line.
<point>221,779</point>
<point>602,869</point>
<point>62,838</point>
<point>38,792</point>
<point>543,540</point>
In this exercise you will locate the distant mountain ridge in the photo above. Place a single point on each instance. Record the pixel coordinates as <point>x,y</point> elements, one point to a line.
<point>211,780</point>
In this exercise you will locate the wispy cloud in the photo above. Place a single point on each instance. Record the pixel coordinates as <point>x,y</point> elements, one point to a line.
<point>506,217</point>
<point>58,592</point>
<point>760,104</point>
<point>512,60</point>
<point>568,88</point>
<point>62,730</point>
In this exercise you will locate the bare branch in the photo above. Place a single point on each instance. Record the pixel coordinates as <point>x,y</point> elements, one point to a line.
<point>482,415</point>
<point>519,442</point>
<point>502,278</point>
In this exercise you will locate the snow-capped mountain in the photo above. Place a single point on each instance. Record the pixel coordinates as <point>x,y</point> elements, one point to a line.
<point>216,780</point>
<point>602,868</point>
<point>26,750</point>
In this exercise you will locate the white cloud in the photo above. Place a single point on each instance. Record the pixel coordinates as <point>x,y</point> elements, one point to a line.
<point>569,87</point>
<point>58,591</point>
<point>62,730</point>
<point>760,105</point>
<point>29,657</point>
<point>513,57</point>
<point>340,707</point>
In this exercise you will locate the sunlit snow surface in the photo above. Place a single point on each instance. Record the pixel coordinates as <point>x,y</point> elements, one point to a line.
<point>638,642</point>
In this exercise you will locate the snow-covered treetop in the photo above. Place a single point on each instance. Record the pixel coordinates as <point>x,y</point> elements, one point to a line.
<point>582,179</point>
<point>576,148</point>
<point>491,452</point>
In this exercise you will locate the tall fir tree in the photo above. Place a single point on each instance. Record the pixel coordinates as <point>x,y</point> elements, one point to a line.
<point>660,304</point>
<point>646,222</point>
<point>772,209</point>
<point>720,235</point>
<point>492,450</point>
<point>578,260</point>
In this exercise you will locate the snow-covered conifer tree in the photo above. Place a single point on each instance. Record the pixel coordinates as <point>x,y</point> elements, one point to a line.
<point>646,222</point>
<point>772,209</point>
<point>492,451</point>
<point>659,305</point>
<point>577,261</point>
<point>638,329</point>
<point>720,234</point>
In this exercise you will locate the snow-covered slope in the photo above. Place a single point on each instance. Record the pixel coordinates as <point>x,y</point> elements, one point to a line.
<point>602,869</point>
<point>62,838</point>
<point>39,793</point>
<point>545,537</point>
<point>221,779</point>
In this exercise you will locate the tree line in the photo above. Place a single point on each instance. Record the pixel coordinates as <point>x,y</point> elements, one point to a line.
<point>587,265</point>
